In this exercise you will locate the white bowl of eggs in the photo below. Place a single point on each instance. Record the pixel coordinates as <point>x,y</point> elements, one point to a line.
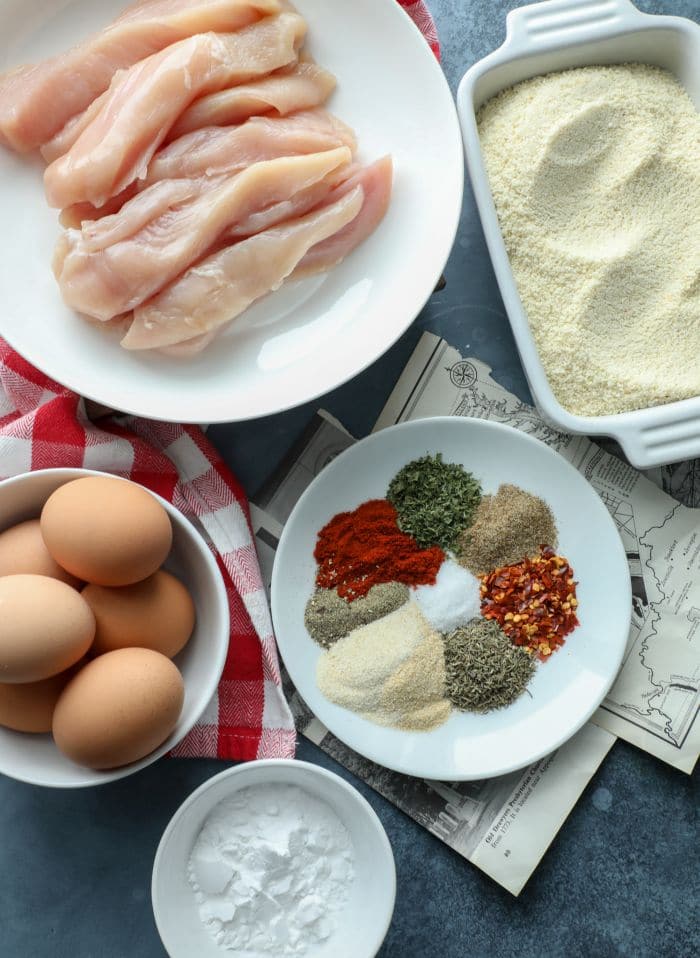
<point>114,627</point>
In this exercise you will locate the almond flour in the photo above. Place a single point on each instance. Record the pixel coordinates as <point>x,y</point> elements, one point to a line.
<point>595,174</point>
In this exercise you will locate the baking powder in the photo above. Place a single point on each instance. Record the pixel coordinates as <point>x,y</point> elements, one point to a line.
<point>271,870</point>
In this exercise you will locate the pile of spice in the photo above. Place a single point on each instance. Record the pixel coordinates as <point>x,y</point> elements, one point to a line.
<point>435,500</point>
<point>534,602</point>
<point>437,598</point>
<point>453,600</point>
<point>483,670</point>
<point>392,671</point>
<point>329,617</point>
<point>359,549</point>
<point>510,526</point>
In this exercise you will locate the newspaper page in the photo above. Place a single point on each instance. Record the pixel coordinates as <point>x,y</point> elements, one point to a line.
<point>655,701</point>
<point>503,825</point>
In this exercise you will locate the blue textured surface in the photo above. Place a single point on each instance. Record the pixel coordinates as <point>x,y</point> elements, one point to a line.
<point>621,879</point>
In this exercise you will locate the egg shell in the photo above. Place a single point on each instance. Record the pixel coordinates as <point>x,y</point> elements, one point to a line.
<point>105,530</point>
<point>28,706</point>
<point>23,551</point>
<point>157,613</point>
<point>118,708</point>
<point>45,627</point>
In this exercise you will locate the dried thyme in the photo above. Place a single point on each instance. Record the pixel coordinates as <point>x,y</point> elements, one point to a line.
<point>483,671</point>
<point>435,500</point>
<point>329,617</point>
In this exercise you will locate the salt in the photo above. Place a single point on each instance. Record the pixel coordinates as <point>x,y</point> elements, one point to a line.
<point>271,871</point>
<point>453,600</point>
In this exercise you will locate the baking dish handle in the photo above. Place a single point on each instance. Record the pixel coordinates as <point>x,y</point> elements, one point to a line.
<point>553,22</point>
<point>666,437</point>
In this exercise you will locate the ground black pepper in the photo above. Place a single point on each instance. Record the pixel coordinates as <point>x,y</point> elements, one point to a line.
<point>508,527</point>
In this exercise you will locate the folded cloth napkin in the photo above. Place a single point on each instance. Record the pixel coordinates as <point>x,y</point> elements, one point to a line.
<point>44,425</point>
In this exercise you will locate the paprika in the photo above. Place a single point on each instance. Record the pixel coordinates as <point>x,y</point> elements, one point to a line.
<point>362,548</point>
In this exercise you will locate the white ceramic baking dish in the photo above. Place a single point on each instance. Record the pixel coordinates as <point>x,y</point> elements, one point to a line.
<point>558,35</point>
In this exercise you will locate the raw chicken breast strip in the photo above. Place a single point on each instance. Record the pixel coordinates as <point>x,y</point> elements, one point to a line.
<point>376,182</point>
<point>118,278</point>
<point>218,151</point>
<point>298,205</point>
<point>116,147</point>
<point>68,134</point>
<point>78,213</point>
<point>327,253</point>
<point>222,286</point>
<point>142,210</point>
<point>37,100</point>
<point>299,87</point>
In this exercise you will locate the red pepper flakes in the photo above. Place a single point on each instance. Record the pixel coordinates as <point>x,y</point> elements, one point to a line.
<point>534,602</point>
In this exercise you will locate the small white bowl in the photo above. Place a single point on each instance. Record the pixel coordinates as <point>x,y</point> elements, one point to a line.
<point>35,758</point>
<point>362,926</point>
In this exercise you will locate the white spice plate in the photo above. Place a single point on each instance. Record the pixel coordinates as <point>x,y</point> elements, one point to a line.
<point>565,690</point>
<point>309,336</point>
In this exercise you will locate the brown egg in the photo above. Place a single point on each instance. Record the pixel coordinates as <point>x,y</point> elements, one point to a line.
<point>22,550</point>
<point>157,614</point>
<point>108,531</point>
<point>118,708</point>
<point>28,706</point>
<point>45,627</point>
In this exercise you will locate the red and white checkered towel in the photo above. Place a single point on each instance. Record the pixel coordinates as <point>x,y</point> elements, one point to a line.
<point>44,426</point>
<point>421,16</point>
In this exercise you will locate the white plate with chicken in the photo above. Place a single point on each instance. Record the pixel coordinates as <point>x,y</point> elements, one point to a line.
<point>219,209</point>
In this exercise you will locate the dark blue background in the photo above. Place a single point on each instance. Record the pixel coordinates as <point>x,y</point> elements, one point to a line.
<point>622,877</point>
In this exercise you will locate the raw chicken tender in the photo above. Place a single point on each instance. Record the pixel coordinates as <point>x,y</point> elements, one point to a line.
<point>217,151</point>
<point>299,87</point>
<point>68,134</point>
<point>222,286</point>
<point>376,182</point>
<point>36,101</point>
<point>298,205</point>
<point>142,210</point>
<point>214,150</point>
<point>144,102</point>
<point>107,282</point>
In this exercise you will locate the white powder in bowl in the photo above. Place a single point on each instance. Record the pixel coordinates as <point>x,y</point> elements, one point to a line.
<point>595,174</point>
<point>271,870</point>
<point>453,600</point>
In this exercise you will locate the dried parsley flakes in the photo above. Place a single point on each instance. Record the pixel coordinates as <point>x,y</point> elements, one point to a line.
<point>435,500</point>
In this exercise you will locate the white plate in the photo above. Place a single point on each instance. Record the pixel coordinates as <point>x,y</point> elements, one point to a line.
<point>564,691</point>
<point>307,338</point>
